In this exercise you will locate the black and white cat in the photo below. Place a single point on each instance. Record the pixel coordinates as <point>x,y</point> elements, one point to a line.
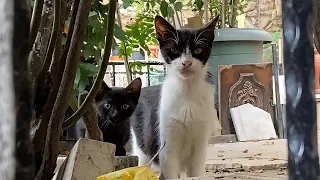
<point>181,113</point>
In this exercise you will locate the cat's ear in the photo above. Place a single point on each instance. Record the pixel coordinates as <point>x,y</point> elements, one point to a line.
<point>207,32</point>
<point>164,29</point>
<point>104,89</point>
<point>134,88</point>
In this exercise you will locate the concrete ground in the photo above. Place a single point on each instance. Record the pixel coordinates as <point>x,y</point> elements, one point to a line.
<point>245,160</point>
<point>247,156</point>
<point>258,175</point>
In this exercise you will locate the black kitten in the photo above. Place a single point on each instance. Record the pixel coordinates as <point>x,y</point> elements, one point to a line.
<point>115,105</point>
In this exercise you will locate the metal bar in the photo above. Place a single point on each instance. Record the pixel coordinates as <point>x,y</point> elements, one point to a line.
<point>303,160</point>
<point>206,15</point>
<point>278,114</point>
<point>148,74</point>
<point>223,14</point>
<point>114,74</point>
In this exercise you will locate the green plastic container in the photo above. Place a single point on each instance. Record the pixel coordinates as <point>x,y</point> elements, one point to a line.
<point>237,46</point>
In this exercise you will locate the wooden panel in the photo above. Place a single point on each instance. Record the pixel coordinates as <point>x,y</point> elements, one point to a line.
<point>240,84</point>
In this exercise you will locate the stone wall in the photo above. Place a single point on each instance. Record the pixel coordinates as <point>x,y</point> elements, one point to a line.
<point>265,14</point>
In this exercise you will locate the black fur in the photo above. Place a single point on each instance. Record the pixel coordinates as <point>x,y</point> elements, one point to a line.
<point>115,106</point>
<point>113,118</point>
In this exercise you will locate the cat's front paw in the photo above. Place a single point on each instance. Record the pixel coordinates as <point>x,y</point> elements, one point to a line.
<point>121,151</point>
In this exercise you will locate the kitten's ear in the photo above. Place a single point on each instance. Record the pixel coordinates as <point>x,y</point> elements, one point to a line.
<point>104,89</point>
<point>207,32</point>
<point>164,29</point>
<point>134,88</point>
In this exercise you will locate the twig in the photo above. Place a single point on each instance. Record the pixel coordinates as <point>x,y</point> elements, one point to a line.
<point>103,67</point>
<point>52,43</point>
<point>71,28</point>
<point>37,55</point>
<point>90,120</point>
<point>35,21</point>
<point>164,144</point>
<point>60,107</point>
<point>234,13</point>
<point>178,19</point>
<point>126,62</point>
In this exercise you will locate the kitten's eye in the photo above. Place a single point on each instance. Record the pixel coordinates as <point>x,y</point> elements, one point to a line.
<point>174,51</point>
<point>107,106</point>
<point>125,106</point>
<point>197,51</point>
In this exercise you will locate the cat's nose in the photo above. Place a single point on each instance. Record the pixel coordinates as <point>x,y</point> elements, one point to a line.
<point>187,64</point>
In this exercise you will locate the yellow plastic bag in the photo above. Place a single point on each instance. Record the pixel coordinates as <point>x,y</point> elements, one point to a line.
<point>132,173</point>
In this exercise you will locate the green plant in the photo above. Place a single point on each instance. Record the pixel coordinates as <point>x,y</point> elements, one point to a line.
<point>267,47</point>
<point>232,9</point>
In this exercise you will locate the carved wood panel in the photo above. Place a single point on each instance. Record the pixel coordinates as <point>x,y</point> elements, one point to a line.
<point>240,84</point>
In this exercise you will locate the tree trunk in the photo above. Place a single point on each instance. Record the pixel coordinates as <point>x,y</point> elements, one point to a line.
<point>60,107</point>
<point>40,131</point>
<point>23,109</point>
<point>7,109</point>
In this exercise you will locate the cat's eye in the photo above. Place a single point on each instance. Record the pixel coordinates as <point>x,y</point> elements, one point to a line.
<point>107,106</point>
<point>125,106</point>
<point>197,51</point>
<point>174,51</point>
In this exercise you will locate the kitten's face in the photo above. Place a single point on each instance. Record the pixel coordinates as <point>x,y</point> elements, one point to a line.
<point>185,50</point>
<point>115,105</point>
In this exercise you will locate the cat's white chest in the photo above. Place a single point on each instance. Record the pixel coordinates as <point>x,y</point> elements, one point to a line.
<point>192,105</point>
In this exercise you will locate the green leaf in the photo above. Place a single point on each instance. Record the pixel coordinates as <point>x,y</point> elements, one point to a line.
<point>142,52</point>
<point>147,6</point>
<point>164,8</point>
<point>153,3</point>
<point>84,81</point>
<point>73,102</point>
<point>119,33</point>
<point>170,11</point>
<point>172,1</point>
<point>127,3</point>
<point>92,13</point>
<point>89,67</point>
<point>178,6</point>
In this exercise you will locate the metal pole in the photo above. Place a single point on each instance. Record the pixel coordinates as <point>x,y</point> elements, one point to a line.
<point>223,14</point>
<point>148,74</point>
<point>303,160</point>
<point>114,75</point>
<point>278,114</point>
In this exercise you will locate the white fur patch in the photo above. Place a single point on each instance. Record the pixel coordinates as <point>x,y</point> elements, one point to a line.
<point>136,150</point>
<point>143,158</point>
